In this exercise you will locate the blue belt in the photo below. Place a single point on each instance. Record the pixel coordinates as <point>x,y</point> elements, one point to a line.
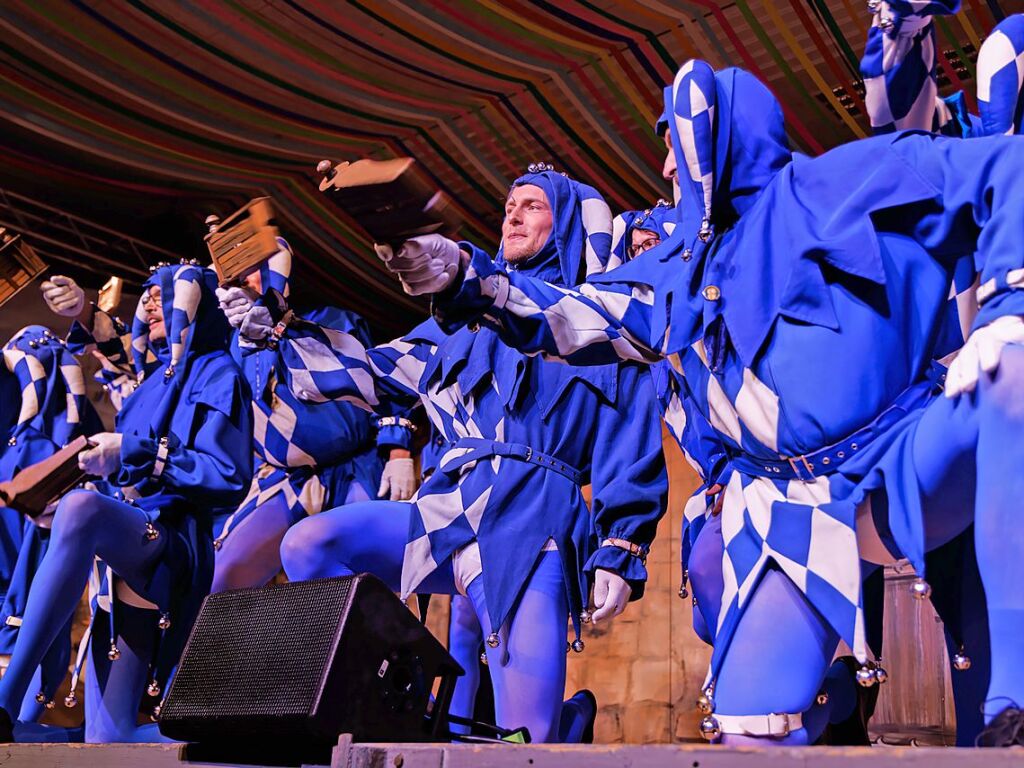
<point>827,460</point>
<point>479,448</point>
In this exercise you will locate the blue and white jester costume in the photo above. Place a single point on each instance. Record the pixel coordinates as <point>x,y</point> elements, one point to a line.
<point>899,68</point>
<point>801,299</point>
<point>524,436</point>
<point>308,457</point>
<point>181,450</point>
<point>45,407</point>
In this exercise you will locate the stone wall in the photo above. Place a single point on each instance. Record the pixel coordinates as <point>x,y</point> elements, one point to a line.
<point>646,668</point>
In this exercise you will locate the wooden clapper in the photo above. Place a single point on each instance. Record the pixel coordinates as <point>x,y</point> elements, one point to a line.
<point>392,200</point>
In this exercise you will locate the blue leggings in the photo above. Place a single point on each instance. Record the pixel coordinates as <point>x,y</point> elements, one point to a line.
<point>967,455</point>
<point>465,639</point>
<point>87,525</point>
<point>527,669</point>
<point>250,556</point>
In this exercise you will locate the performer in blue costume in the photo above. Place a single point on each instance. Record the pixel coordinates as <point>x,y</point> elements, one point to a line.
<point>837,706</point>
<point>181,449</point>
<point>44,409</point>
<point>801,299</point>
<point>502,519</point>
<point>900,75</point>
<point>309,457</point>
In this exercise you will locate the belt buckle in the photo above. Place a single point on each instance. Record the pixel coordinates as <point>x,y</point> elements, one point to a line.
<point>796,467</point>
<point>529,453</point>
<point>785,723</point>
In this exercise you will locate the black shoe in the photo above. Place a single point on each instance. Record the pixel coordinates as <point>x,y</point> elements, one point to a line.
<point>1005,730</point>
<point>853,731</point>
<point>6,727</point>
<point>580,707</point>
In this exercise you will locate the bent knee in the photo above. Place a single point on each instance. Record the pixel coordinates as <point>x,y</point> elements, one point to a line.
<point>299,548</point>
<point>76,512</point>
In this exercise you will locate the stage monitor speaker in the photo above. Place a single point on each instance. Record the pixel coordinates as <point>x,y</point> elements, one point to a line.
<point>279,672</point>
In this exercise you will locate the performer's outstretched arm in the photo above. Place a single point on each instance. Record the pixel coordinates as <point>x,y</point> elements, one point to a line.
<point>588,325</point>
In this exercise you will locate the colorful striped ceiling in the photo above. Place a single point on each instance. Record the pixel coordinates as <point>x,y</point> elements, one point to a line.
<point>149,115</point>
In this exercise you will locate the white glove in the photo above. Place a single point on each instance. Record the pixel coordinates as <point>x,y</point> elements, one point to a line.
<point>234,302</point>
<point>981,352</point>
<point>398,478</point>
<point>63,296</point>
<point>103,458</point>
<point>424,264</point>
<point>611,593</point>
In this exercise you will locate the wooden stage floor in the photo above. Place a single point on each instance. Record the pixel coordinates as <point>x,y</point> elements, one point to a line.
<point>348,755</point>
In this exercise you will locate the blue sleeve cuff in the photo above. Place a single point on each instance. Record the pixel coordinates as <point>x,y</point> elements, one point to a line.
<point>1007,302</point>
<point>138,455</point>
<point>138,458</point>
<point>621,562</point>
<point>467,299</point>
<point>394,436</point>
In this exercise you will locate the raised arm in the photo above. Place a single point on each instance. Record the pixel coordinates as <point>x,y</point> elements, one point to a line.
<point>587,325</point>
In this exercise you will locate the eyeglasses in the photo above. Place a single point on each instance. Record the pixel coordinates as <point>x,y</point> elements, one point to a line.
<point>645,245</point>
<point>152,296</point>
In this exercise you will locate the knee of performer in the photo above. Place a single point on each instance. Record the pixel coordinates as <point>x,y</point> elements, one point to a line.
<point>300,550</point>
<point>76,514</point>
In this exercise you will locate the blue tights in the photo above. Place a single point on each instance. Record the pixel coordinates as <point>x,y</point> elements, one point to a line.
<point>968,454</point>
<point>527,669</point>
<point>465,639</point>
<point>250,555</point>
<point>86,525</point>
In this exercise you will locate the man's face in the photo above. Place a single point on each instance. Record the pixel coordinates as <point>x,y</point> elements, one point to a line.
<point>528,223</point>
<point>642,240</point>
<point>254,282</point>
<point>669,171</point>
<point>152,306</point>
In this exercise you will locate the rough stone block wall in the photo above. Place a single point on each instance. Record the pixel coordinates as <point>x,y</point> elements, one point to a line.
<point>647,666</point>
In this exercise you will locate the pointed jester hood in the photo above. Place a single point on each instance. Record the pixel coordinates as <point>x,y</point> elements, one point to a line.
<point>581,237</point>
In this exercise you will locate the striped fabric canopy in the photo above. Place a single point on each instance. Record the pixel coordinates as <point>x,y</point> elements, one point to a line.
<point>128,110</point>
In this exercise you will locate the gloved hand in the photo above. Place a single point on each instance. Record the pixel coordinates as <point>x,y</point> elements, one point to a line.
<point>611,593</point>
<point>234,302</point>
<point>981,352</point>
<point>63,296</point>
<point>398,480</point>
<point>103,458</point>
<point>424,264</point>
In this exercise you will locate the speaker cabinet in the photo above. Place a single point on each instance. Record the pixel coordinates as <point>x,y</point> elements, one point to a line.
<point>280,671</point>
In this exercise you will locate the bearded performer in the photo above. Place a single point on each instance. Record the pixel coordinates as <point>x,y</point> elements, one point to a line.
<point>181,449</point>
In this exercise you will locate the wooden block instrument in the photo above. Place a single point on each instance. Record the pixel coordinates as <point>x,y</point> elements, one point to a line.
<point>19,264</point>
<point>110,295</point>
<point>392,200</point>
<point>32,489</point>
<point>242,241</point>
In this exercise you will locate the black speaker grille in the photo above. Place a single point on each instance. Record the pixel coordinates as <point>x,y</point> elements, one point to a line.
<point>260,651</point>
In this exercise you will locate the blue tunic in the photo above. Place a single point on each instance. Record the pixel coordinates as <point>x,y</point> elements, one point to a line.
<point>312,453</point>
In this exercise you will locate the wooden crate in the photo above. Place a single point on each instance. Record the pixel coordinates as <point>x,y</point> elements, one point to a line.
<point>19,264</point>
<point>243,241</point>
<point>917,701</point>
